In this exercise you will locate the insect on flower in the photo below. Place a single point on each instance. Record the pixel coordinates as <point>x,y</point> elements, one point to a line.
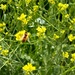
<point>25,37</point>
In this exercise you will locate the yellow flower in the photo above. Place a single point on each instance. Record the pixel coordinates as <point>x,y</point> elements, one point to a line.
<point>19,35</point>
<point>29,68</point>
<point>22,35</point>
<point>67,16</point>
<point>22,17</point>
<point>71,27</point>
<point>1,29</point>
<point>62,6</point>
<point>73,57</point>
<point>4,52</point>
<point>62,31</point>
<point>27,1</point>
<point>51,1</point>
<point>25,21</point>
<point>73,20</point>
<point>35,8</point>
<point>3,7</point>
<point>71,37</point>
<point>41,29</point>
<point>56,36</point>
<point>2,24</point>
<point>65,54</point>
<point>0,47</point>
<point>29,18</point>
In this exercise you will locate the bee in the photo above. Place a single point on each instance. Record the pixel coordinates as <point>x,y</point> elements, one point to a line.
<point>25,37</point>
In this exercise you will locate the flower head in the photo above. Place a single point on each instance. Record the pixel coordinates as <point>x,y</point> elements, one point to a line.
<point>65,54</point>
<point>27,1</point>
<point>3,7</point>
<point>22,17</point>
<point>73,20</point>
<point>41,31</point>
<point>71,37</point>
<point>22,35</point>
<point>67,16</point>
<point>35,8</point>
<point>29,68</point>
<point>62,6</point>
<point>55,36</point>
<point>2,24</point>
<point>62,31</point>
<point>73,57</point>
<point>0,47</point>
<point>51,1</point>
<point>4,52</point>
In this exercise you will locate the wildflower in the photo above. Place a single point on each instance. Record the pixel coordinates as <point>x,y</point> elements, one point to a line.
<point>71,27</point>
<point>62,6</point>
<point>35,8</point>
<point>71,37</point>
<point>67,16</point>
<point>22,17</point>
<point>62,31</point>
<point>55,36</point>
<point>27,1</point>
<point>0,47</point>
<point>4,52</point>
<point>21,35</point>
<point>65,54</point>
<point>51,1</point>
<point>25,21</point>
<point>6,33</point>
<point>2,24</point>
<point>41,31</point>
<point>73,57</point>
<point>29,18</point>
<point>29,68</point>
<point>73,20</point>
<point>3,7</point>
<point>1,29</point>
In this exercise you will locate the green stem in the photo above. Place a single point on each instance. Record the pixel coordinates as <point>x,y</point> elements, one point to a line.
<point>70,69</point>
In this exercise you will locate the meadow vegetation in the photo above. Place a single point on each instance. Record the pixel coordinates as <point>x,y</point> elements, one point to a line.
<point>37,37</point>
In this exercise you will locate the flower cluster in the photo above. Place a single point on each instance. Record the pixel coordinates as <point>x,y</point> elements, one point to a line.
<point>3,7</point>
<point>2,26</point>
<point>22,35</point>
<point>55,36</point>
<point>0,47</point>
<point>41,31</point>
<point>67,16</point>
<point>73,57</point>
<point>71,37</point>
<point>65,54</point>
<point>62,6</point>
<point>4,52</point>
<point>51,1</point>
<point>73,20</point>
<point>24,19</point>
<point>35,8</point>
<point>27,1</point>
<point>28,68</point>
